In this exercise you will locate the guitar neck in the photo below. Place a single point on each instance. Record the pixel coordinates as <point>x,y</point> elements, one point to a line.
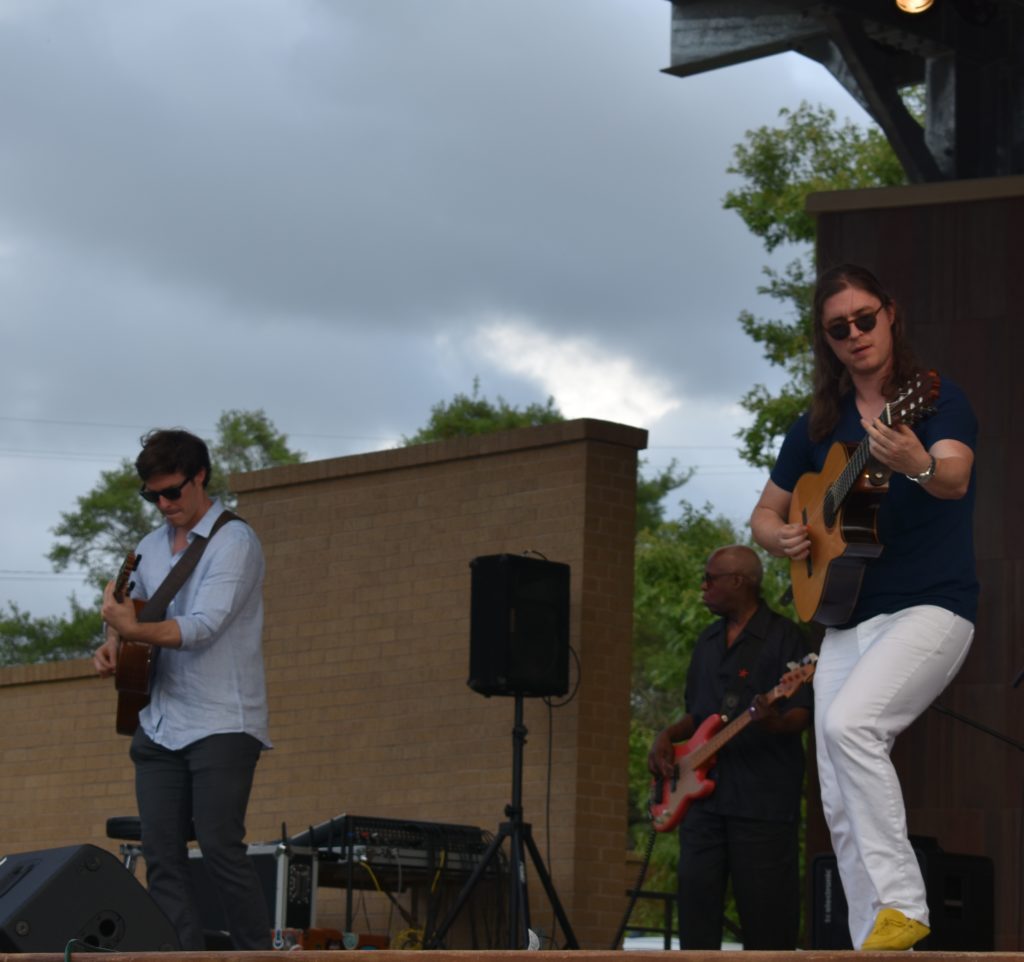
<point>714,744</point>
<point>843,484</point>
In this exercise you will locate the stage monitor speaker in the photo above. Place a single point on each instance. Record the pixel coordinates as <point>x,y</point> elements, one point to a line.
<point>960,901</point>
<point>519,626</point>
<point>49,897</point>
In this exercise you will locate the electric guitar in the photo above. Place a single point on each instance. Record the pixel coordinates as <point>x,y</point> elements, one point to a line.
<point>839,505</point>
<point>670,798</point>
<point>133,673</point>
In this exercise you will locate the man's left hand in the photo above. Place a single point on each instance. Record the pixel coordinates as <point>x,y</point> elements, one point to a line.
<point>761,709</point>
<point>897,448</point>
<point>119,615</point>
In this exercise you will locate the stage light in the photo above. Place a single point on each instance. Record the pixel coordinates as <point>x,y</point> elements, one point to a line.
<point>914,6</point>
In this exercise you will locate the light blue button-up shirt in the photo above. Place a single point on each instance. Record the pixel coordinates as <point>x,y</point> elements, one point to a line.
<point>214,683</point>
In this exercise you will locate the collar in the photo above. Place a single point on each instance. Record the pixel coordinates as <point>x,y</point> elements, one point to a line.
<point>204,526</point>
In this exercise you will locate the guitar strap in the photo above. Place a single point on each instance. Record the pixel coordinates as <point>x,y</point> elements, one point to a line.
<point>155,608</point>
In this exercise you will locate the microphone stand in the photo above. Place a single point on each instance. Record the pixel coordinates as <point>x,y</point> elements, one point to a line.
<point>971,723</point>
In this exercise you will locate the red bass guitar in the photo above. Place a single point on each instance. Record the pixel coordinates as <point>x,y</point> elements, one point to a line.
<point>670,798</point>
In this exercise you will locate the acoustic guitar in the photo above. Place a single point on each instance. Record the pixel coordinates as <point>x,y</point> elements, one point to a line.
<point>670,798</point>
<point>839,505</point>
<point>134,671</point>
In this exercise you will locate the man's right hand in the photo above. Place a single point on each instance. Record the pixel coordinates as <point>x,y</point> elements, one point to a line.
<point>104,659</point>
<point>661,759</point>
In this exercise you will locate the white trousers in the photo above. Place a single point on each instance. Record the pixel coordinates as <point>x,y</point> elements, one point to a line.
<point>870,683</point>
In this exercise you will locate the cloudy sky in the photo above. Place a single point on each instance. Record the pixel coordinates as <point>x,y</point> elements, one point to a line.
<point>343,211</point>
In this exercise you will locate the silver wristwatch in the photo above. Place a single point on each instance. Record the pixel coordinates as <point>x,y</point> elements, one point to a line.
<point>926,475</point>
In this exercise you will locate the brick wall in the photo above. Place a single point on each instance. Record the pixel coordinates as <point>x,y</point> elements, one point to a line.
<point>367,648</point>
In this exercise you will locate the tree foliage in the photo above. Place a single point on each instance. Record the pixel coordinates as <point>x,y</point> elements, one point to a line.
<point>466,415</point>
<point>246,441</point>
<point>807,151</point>
<point>27,640</point>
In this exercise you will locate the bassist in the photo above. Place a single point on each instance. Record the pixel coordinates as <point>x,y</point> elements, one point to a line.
<point>912,622</point>
<point>747,828</point>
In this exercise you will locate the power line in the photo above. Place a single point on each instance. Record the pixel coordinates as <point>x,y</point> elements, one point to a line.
<point>146,427</point>
<point>17,574</point>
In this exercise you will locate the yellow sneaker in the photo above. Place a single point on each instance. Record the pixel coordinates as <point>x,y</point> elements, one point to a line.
<point>894,932</point>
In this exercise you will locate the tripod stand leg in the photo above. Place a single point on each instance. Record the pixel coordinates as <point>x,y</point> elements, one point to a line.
<point>549,888</point>
<point>435,939</point>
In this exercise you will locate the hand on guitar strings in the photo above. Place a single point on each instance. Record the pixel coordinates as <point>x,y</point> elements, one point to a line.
<point>794,541</point>
<point>661,757</point>
<point>104,658</point>
<point>896,447</point>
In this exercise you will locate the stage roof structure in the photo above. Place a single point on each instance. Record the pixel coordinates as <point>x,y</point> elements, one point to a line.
<point>968,54</point>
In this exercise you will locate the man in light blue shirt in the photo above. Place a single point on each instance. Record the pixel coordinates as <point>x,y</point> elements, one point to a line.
<point>201,735</point>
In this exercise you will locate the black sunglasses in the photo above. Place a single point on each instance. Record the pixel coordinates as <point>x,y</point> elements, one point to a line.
<point>168,494</point>
<point>709,578</point>
<point>865,322</point>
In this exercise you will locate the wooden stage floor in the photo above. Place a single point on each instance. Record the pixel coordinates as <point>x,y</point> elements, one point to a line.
<point>488,955</point>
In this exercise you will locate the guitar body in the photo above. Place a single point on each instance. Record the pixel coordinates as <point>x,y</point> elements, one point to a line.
<point>827,582</point>
<point>135,662</point>
<point>132,678</point>
<point>671,799</point>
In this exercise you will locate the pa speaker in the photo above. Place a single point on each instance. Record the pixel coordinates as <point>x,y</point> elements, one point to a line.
<point>519,626</point>
<point>49,897</point>
<point>960,901</point>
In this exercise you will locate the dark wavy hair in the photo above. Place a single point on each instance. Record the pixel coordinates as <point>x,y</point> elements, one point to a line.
<point>831,381</point>
<point>172,451</point>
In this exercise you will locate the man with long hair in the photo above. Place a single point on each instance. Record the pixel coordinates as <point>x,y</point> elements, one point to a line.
<point>913,620</point>
<point>201,735</point>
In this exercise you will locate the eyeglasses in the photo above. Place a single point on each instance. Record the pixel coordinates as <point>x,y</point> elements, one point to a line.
<point>168,494</point>
<point>865,322</point>
<point>709,578</point>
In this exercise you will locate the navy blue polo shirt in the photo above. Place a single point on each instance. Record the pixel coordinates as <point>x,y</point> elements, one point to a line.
<point>758,774</point>
<point>928,553</point>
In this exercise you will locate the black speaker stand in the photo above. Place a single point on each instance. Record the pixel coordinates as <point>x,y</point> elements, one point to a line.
<point>521,838</point>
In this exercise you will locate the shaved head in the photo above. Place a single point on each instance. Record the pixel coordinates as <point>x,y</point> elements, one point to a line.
<point>743,561</point>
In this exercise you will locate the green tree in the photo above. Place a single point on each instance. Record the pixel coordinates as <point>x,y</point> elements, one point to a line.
<point>466,415</point>
<point>26,640</point>
<point>808,151</point>
<point>246,441</point>
<point>108,522</point>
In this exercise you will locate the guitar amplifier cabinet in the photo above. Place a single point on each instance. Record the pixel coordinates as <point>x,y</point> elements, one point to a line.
<point>960,901</point>
<point>288,875</point>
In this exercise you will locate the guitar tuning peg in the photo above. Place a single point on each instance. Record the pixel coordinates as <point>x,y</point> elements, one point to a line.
<point>792,665</point>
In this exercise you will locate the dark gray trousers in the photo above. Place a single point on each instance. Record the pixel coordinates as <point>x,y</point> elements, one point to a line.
<point>205,784</point>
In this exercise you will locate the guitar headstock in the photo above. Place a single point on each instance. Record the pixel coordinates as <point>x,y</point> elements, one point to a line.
<point>800,672</point>
<point>916,400</point>
<point>123,583</point>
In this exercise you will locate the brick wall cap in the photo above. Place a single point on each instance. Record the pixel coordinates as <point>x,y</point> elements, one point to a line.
<point>478,445</point>
<point>47,671</point>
